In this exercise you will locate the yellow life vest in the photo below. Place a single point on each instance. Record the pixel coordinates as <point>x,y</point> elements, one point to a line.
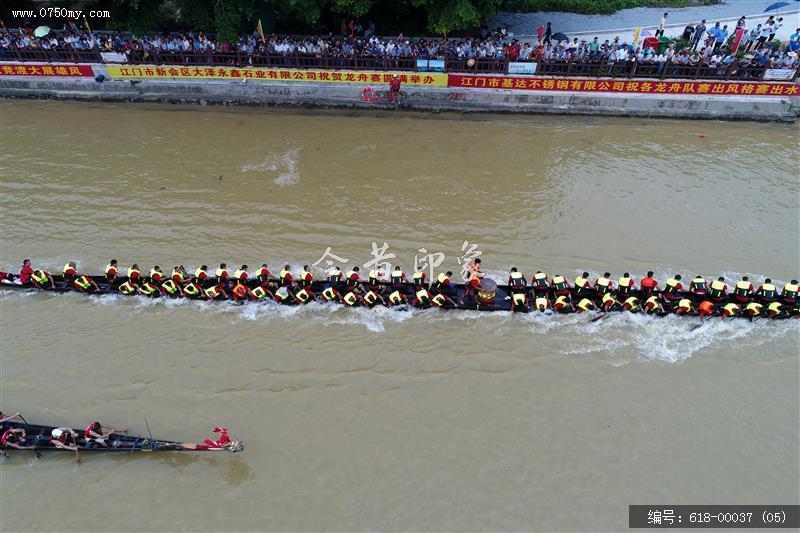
<point>198,272</point>
<point>154,273</point>
<point>559,283</point>
<point>302,295</point>
<point>603,285</point>
<point>303,275</point>
<point>742,288</point>
<point>147,289</point>
<point>775,307</point>
<point>127,288</point>
<point>83,282</point>
<point>212,292</point>
<point>180,275</point>
<point>220,272</point>
<point>423,296</point>
<point>418,275</point>
<point>396,298</point>
<point>370,297</point>
<point>40,277</point>
<point>516,279</point>
<point>350,298</point>
<point>238,274</point>
<point>581,282</point>
<point>438,300</point>
<point>170,286</point>
<point>351,282</point>
<point>732,309</point>
<point>717,289</point>
<point>397,277</point>
<point>541,303</point>
<point>283,273</point>
<point>685,304</point>
<point>334,274</point>
<point>561,302</point>
<point>442,278</point>
<point>373,275</point>
<point>67,267</point>
<point>698,284</point>
<point>671,286</point>
<point>585,304</point>
<point>329,293</point>
<point>768,290</point>
<point>754,308</point>
<point>625,283</point>
<point>540,280</point>
<point>259,293</point>
<point>132,271</point>
<point>790,291</point>
<point>632,303</point>
<point>111,269</point>
<point>608,299</point>
<point>652,303</point>
<point>191,289</point>
<point>519,298</point>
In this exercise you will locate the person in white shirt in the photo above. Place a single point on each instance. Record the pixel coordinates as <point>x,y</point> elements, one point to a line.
<point>662,24</point>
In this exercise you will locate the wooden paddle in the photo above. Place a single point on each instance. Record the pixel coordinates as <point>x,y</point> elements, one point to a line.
<point>77,455</point>
<point>604,314</point>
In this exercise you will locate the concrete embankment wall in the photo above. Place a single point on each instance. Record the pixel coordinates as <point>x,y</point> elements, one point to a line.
<point>276,93</point>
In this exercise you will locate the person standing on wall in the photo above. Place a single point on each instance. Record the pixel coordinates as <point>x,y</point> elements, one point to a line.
<point>661,25</point>
<point>394,89</point>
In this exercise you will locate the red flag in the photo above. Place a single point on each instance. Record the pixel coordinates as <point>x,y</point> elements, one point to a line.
<point>737,37</point>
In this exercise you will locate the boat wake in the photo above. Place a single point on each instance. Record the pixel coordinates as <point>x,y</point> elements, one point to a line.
<point>285,164</point>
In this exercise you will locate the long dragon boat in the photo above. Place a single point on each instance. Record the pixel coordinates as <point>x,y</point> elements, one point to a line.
<point>489,297</point>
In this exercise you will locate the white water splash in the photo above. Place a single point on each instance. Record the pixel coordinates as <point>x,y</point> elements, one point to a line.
<point>285,164</point>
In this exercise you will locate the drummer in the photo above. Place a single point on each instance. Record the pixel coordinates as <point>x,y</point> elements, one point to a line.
<point>473,280</point>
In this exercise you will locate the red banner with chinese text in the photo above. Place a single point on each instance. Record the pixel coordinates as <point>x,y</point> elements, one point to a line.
<point>46,70</point>
<point>623,86</point>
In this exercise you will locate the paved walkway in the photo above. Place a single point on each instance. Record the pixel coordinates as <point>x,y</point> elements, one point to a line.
<point>622,23</point>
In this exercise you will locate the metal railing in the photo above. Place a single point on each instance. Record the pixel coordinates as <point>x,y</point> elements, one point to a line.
<point>592,68</point>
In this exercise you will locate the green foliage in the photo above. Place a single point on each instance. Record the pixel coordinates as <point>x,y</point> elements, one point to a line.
<point>680,43</point>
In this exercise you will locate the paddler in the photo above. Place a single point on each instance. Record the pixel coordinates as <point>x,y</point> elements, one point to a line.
<point>192,290</point>
<point>261,293</point>
<point>653,306</point>
<point>626,285</point>
<point>470,287</point>
<point>222,274</point>
<point>42,279</point>
<point>170,288</point>
<point>283,296</point>
<point>374,279</point>
<point>563,305</point>
<point>744,290</point>
<point>335,275</point>
<point>215,292</point>
<point>111,271</point>
<point>239,292</point>
<point>584,305</point>
<point>582,285</point>
<point>683,307</point>
<point>201,275</point>
<point>15,438</point>
<point>134,273</point>
<point>706,308</point>
<point>306,278</point>
<point>372,297</point>
<point>397,297</point>
<point>604,285</point>
<point>519,301</point>
<point>329,294</point>
<point>541,303</point>
<point>419,278</point>
<point>70,271</point>
<point>25,272</point>
<point>777,310</point>
<point>352,279</point>
<point>398,279</point>
<point>731,310</point>
<point>631,304</point>
<point>304,295</point>
<point>264,275</point>
<point>59,438</point>
<point>179,275</point>
<point>85,284</point>
<point>767,292</point>
<point>753,309</point>
<point>648,285</point>
<point>540,283</point>
<point>422,298</point>
<point>147,288</point>
<point>672,288</point>
<point>240,276</point>
<point>156,275</point>
<point>96,434</point>
<point>698,286</point>
<point>560,285</point>
<point>516,281</point>
<point>441,300</point>
<point>285,276</point>
<point>609,303</point>
<point>351,298</point>
<point>128,287</point>
<point>790,290</point>
<point>443,283</point>
<point>718,289</point>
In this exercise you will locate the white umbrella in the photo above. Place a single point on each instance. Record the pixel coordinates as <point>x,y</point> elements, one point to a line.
<point>41,31</point>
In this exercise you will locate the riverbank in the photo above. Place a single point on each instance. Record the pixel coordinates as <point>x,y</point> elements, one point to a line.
<point>415,98</point>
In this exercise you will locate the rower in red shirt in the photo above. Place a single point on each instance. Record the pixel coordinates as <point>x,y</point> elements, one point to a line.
<point>285,276</point>
<point>398,279</point>
<point>352,279</point>
<point>264,275</point>
<point>156,274</point>
<point>649,284</point>
<point>111,270</point>
<point>306,279</point>
<point>25,272</point>
<point>70,271</point>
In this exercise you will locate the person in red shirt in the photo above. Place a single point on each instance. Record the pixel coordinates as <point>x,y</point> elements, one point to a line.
<point>394,89</point>
<point>264,275</point>
<point>649,284</point>
<point>25,272</point>
<point>70,271</point>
